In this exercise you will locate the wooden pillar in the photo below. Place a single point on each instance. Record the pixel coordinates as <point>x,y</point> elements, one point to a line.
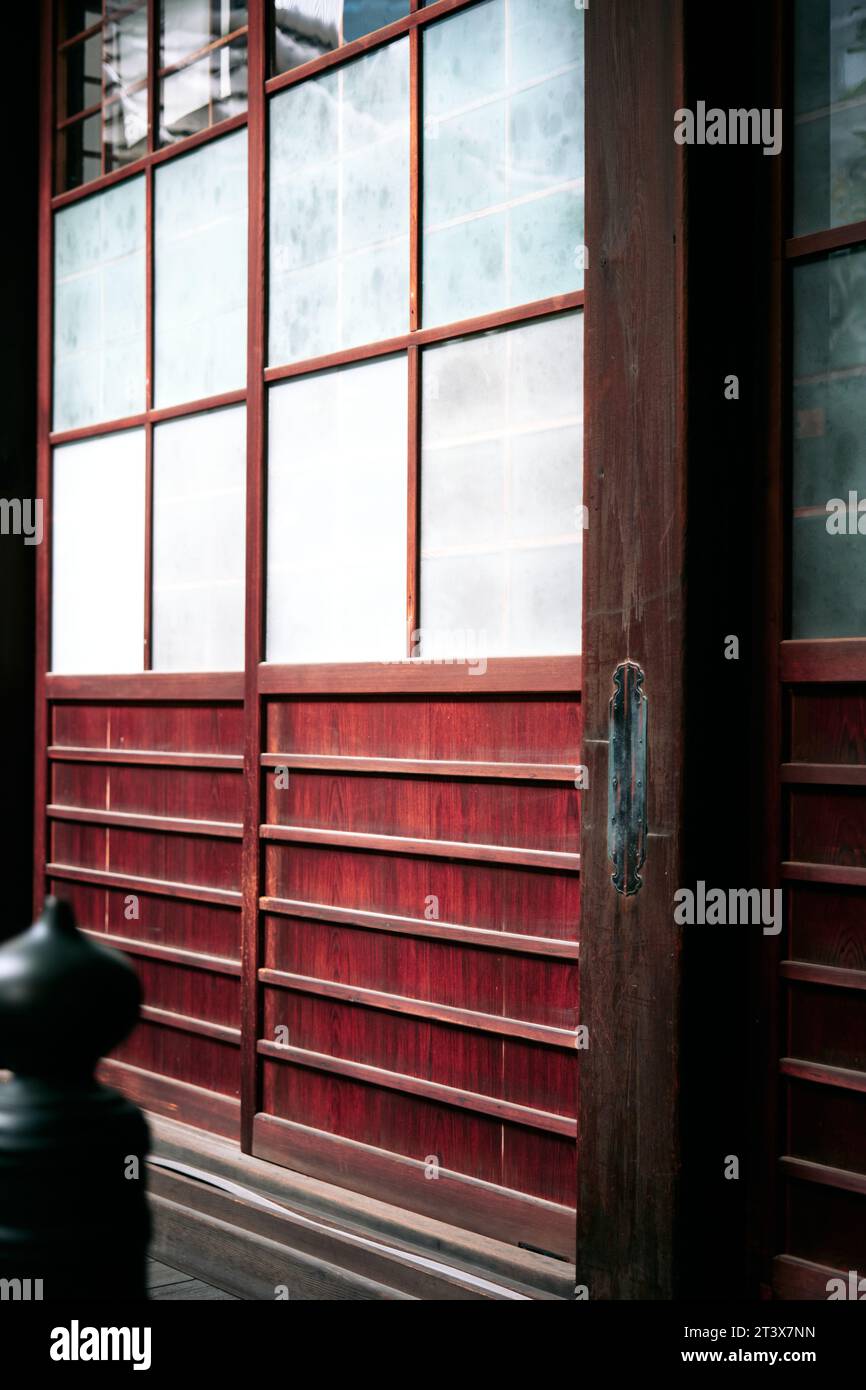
<point>634,475</point>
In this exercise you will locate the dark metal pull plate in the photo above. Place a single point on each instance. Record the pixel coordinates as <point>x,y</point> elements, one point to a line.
<point>626,815</point>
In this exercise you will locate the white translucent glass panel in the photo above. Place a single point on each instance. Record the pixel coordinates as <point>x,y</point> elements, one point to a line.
<point>98,555</point>
<point>503,157</point>
<point>99,307</point>
<point>501,488</point>
<point>337,515</point>
<point>199,473</point>
<point>339,208</point>
<point>201,272</point>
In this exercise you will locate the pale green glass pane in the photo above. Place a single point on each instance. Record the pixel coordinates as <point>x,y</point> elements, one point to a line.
<point>829,445</point>
<point>501,489</point>
<point>503,157</point>
<point>199,472</point>
<point>201,272</point>
<point>829,114</point>
<point>99,307</point>
<point>339,208</point>
<point>98,554</point>
<point>336,561</point>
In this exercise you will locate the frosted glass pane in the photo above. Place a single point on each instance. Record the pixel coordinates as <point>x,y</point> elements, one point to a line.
<point>829,114</point>
<point>99,307</point>
<point>828,590</point>
<point>201,272</point>
<point>337,515</point>
<point>339,208</point>
<point>501,488</point>
<point>199,488</point>
<point>503,157</point>
<point>98,555</point>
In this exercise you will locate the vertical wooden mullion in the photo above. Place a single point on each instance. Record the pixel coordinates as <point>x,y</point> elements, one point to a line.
<point>152,81</point>
<point>43,449</point>
<point>255,550</point>
<point>413,491</point>
<point>635,491</point>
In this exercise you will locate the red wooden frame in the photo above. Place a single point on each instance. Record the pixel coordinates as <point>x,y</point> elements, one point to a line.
<point>260,681</point>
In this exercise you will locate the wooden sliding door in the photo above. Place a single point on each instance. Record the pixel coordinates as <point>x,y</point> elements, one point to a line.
<point>819,727</point>
<point>311,439</point>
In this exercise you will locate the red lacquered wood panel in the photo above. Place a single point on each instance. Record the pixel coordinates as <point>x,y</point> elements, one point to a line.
<point>500,898</point>
<point>416,1128</point>
<point>194,926</point>
<point>523,987</point>
<point>828,926</point>
<point>828,724</point>
<point>828,826</point>
<point>827,1125</point>
<point>182,1056</point>
<point>543,1165</point>
<point>532,729</point>
<point>185,990</point>
<point>826,1225</point>
<point>494,813</point>
<point>193,728</point>
<point>211,863</point>
<point>827,1026</point>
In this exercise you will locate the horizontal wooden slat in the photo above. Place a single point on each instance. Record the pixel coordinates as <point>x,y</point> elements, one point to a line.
<point>504,1110</point>
<point>828,239</point>
<point>847,874</point>
<point>825,774</point>
<point>424,767</point>
<point>192,1105</point>
<point>178,955</point>
<point>157,887</point>
<point>811,973</point>
<point>420,926</point>
<point>820,1173</point>
<point>795,1279</point>
<point>148,685</point>
<point>503,674</point>
<point>227,762</point>
<point>822,1074</point>
<point>421,1008</point>
<point>823,659</point>
<point>132,820</point>
<point>436,849</point>
<point>186,1024</point>
<point>502,1213</point>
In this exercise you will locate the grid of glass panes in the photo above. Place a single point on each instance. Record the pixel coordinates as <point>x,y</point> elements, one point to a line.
<point>496,419</point>
<point>828,559</point>
<point>501,194</point>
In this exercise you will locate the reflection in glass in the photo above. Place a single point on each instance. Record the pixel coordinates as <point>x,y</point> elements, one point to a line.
<point>829,444</point>
<point>78,16</point>
<point>501,487</point>
<point>98,555</point>
<point>339,207</point>
<point>337,515</point>
<point>200,272</point>
<point>81,75</point>
<point>79,151</point>
<point>199,472</point>
<point>203,63</point>
<point>503,157</point>
<point>829,113</point>
<point>99,307</point>
<point>305,29</point>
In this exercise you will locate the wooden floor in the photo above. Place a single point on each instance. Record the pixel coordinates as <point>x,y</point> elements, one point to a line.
<point>167,1285</point>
